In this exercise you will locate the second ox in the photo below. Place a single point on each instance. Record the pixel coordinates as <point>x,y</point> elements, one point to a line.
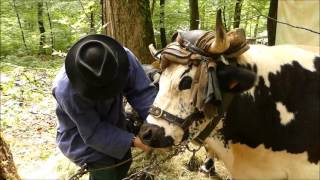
<point>267,97</point>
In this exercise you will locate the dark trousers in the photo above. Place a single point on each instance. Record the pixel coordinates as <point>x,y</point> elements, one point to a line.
<point>116,173</point>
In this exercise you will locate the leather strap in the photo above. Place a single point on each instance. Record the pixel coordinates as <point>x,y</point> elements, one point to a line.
<point>199,139</point>
<point>183,123</point>
<point>194,49</point>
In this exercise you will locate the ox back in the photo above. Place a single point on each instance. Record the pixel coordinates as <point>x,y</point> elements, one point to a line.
<point>281,113</point>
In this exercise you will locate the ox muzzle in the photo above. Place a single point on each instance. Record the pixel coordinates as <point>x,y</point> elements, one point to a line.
<point>154,135</point>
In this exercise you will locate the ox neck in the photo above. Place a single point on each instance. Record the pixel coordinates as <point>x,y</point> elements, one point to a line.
<point>200,137</point>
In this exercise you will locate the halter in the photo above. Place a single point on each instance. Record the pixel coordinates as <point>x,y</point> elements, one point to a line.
<point>186,122</point>
<point>183,123</point>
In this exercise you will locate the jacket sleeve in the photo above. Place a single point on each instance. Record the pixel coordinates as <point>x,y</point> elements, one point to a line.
<point>140,92</point>
<point>95,132</point>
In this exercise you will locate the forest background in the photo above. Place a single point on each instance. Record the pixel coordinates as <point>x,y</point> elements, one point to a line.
<point>36,35</point>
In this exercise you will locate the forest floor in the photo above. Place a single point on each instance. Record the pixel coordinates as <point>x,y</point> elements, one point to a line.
<point>28,123</point>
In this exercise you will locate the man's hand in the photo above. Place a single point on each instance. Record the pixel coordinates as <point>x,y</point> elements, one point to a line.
<point>138,143</point>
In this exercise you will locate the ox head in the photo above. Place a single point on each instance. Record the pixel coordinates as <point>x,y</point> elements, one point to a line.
<point>193,83</point>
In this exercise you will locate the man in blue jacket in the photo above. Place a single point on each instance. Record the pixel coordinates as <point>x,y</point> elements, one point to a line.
<point>89,93</point>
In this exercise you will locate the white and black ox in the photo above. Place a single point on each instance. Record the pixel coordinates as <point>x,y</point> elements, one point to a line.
<point>269,96</point>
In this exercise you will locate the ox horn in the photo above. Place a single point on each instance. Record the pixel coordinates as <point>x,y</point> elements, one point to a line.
<point>238,44</point>
<point>154,52</point>
<point>221,42</point>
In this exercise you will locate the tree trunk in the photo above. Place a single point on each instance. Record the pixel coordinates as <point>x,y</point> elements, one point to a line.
<point>202,13</point>
<point>19,22</point>
<point>102,3</point>
<point>163,37</point>
<point>84,11</point>
<point>194,14</point>
<point>224,16</point>
<point>272,25</point>
<point>130,23</point>
<point>7,168</point>
<point>41,28</point>
<point>255,33</point>
<point>246,21</point>
<point>153,3</point>
<point>237,14</point>
<point>250,30</point>
<point>50,25</point>
<point>92,29</point>
<point>229,22</point>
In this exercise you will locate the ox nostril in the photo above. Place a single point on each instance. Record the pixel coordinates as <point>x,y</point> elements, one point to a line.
<point>147,135</point>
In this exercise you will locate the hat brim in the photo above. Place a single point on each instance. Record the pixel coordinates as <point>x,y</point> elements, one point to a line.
<point>103,91</point>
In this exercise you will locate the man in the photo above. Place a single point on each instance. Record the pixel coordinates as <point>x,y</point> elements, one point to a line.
<point>134,120</point>
<point>89,93</point>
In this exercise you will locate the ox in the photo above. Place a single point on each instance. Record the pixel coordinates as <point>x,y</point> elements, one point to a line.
<point>269,98</point>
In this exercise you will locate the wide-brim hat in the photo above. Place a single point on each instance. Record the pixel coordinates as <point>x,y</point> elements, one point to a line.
<point>97,67</point>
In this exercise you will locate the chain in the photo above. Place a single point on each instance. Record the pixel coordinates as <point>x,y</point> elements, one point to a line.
<point>154,163</point>
<point>84,169</point>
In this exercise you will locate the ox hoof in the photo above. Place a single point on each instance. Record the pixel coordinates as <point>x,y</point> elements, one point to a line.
<point>208,167</point>
<point>210,172</point>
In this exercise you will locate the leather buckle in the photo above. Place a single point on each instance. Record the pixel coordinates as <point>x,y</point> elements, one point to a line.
<point>156,111</point>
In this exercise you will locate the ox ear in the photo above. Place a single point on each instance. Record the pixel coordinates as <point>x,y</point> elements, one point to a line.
<point>235,79</point>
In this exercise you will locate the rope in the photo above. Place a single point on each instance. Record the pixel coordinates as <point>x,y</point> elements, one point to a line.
<point>280,22</point>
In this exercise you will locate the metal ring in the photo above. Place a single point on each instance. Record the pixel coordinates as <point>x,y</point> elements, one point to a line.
<point>193,150</point>
<point>158,116</point>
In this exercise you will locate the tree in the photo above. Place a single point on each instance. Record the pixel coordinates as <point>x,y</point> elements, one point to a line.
<point>41,27</point>
<point>224,17</point>
<point>50,25</point>
<point>237,14</point>
<point>130,23</point>
<point>194,14</point>
<point>255,33</point>
<point>19,22</point>
<point>153,3</point>
<point>7,168</point>
<point>92,29</point>
<point>89,17</point>
<point>163,37</point>
<point>271,24</point>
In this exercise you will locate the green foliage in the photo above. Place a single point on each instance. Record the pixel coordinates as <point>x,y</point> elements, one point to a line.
<point>177,16</point>
<point>69,23</point>
<point>71,19</point>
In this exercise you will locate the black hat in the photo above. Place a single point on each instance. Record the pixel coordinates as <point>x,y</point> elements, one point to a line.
<point>97,67</point>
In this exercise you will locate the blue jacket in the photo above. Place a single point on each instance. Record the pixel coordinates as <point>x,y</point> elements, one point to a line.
<point>90,130</point>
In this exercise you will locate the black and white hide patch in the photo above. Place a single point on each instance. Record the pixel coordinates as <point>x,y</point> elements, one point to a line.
<point>283,115</point>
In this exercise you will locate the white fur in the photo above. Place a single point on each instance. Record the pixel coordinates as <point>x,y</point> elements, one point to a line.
<point>173,102</point>
<point>270,59</point>
<point>285,115</point>
<point>244,162</point>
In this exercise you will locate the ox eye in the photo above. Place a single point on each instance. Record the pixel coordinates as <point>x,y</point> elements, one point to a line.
<point>185,83</point>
